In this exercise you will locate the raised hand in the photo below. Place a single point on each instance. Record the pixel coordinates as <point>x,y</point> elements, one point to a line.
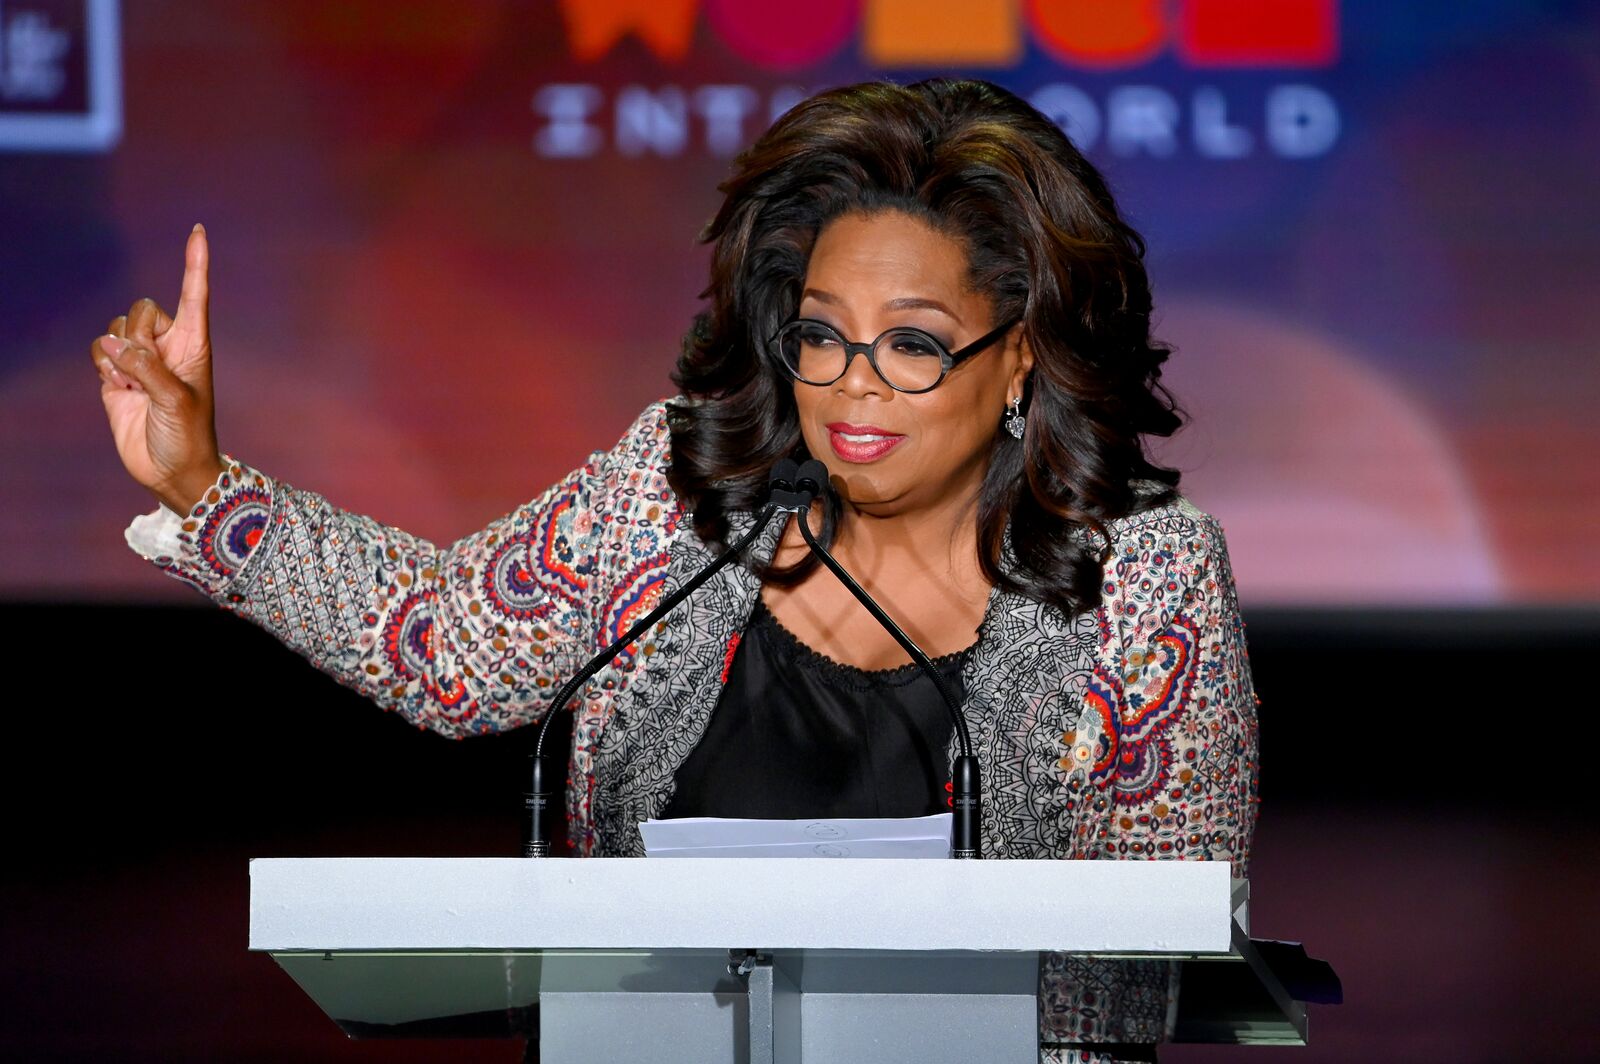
<point>155,380</point>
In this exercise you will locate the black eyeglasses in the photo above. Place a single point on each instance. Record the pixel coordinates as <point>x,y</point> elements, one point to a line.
<point>906,359</point>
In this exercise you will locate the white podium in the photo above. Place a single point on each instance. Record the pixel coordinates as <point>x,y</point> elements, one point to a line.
<point>770,961</point>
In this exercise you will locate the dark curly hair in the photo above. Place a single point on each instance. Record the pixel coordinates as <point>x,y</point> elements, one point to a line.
<point>1043,240</point>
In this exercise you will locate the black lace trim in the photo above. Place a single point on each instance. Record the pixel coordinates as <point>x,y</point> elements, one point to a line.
<point>838,671</point>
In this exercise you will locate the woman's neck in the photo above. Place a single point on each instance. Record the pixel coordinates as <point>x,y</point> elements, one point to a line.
<point>939,541</point>
<point>921,567</point>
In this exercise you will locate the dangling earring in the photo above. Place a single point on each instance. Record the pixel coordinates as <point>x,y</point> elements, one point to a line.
<point>1014,421</point>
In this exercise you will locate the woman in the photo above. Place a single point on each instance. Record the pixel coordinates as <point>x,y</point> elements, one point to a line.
<point>929,289</point>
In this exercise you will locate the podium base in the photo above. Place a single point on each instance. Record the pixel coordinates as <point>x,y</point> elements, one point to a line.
<point>784,1007</point>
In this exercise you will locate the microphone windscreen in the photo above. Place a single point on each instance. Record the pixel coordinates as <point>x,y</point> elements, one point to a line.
<point>811,477</point>
<point>782,476</point>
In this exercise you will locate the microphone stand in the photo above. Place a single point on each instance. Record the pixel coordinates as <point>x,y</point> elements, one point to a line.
<point>782,498</point>
<point>792,491</point>
<point>966,834</point>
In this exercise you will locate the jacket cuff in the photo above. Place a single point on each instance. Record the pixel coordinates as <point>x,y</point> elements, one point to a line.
<point>208,546</point>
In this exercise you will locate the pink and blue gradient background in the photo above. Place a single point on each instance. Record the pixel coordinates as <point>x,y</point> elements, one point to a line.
<point>1387,350</point>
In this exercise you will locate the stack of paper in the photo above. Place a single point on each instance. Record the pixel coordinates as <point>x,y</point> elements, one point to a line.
<point>707,836</point>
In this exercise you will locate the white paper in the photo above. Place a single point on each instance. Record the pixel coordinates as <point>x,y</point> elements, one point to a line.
<point>910,837</point>
<point>896,848</point>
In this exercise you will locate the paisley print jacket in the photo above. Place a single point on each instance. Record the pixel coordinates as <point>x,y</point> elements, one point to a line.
<point>1126,732</point>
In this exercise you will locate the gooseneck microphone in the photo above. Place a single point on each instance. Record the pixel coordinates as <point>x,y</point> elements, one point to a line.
<point>966,827</point>
<point>784,496</point>
<point>791,490</point>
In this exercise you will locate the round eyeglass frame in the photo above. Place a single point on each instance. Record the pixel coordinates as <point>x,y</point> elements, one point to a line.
<point>948,360</point>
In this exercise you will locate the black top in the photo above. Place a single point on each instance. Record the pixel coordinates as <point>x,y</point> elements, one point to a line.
<point>796,735</point>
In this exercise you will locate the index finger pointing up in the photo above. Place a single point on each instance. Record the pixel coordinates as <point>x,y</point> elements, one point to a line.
<point>193,299</point>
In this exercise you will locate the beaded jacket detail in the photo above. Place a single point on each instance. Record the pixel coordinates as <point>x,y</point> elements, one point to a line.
<point>1126,732</point>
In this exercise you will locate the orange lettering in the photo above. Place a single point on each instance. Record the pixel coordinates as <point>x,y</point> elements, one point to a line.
<point>1099,33</point>
<point>595,26</point>
<point>968,33</point>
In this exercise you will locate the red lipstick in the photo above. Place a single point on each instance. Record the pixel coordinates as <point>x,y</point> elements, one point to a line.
<point>861,443</point>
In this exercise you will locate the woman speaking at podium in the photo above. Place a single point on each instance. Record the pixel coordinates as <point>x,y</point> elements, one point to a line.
<point>929,289</point>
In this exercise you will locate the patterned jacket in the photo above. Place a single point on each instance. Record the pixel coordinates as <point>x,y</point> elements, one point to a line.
<point>1126,732</point>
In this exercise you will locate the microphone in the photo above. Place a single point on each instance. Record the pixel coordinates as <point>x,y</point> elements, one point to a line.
<point>784,495</point>
<point>966,830</point>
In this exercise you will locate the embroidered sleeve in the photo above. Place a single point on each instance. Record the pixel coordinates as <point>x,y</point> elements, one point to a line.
<point>1177,752</point>
<point>1171,738</point>
<point>466,639</point>
<point>206,545</point>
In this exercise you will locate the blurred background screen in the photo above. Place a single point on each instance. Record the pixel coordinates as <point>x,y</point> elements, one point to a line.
<point>454,250</point>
